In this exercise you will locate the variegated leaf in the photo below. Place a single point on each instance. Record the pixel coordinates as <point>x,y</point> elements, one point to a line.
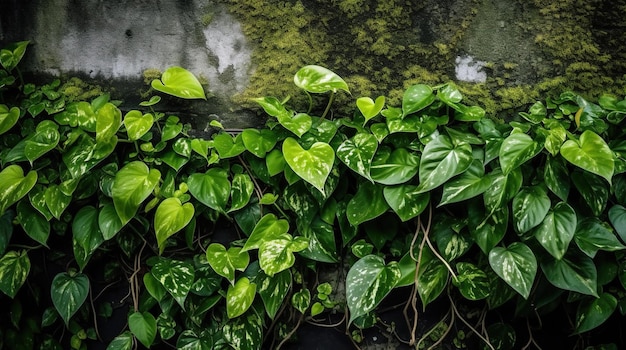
<point>441,160</point>
<point>239,297</point>
<point>516,265</point>
<point>276,255</point>
<point>226,262</point>
<point>357,153</point>
<point>176,276</point>
<point>312,165</point>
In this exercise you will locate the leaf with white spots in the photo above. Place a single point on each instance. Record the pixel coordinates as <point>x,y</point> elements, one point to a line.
<point>312,165</point>
<point>171,216</point>
<point>368,283</point>
<point>226,262</point>
<point>273,291</point>
<point>516,150</point>
<point>69,291</point>
<point>406,201</point>
<point>516,265</point>
<point>276,255</point>
<point>245,333</point>
<point>472,282</point>
<point>592,312</point>
<point>357,153</point>
<point>557,229</point>
<point>267,229</point>
<point>530,207</point>
<point>239,297</point>
<point>176,276</point>
<point>14,269</point>
<point>441,160</point>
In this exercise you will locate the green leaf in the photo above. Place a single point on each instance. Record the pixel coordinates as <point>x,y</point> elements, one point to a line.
<point>357,153</point>
<point>137,124</point>
<point>226,262</point>
<point>516,265</point>
<point>34,224</point>
<point>14,185</point>
<point>108,122</point>
<point>86,234</point>
<point>368,203</point>
<point>406,201</point>
<point>171,216</point>
<point>273,291</point>
<point>516,150</point>
<point>241,191</point>
<point>8,118</point>
<point>591,313</point>
<point>245,333</point>
<point>179,82</point>
<point>322,246</point>
<point>487,229</point>
<point>131,186</point>
<point>227,146</point>
<point>441,160</point>
<point>557,229</point>
<point>593,235</point>
<point>312,165</point>
<point>6,230</point>
<point>431,280</point>
<point>69,291</point>
<point>259,142</point>
<point>593,189</point>
<point>557,177</point>
<point>394,167</point>
<point>449,94</point>
<point>123,341</point>
<point>469,184</point>
<point>590,153</point>
<point>176,276</point>
<point>14,269</point>
<point>301,300</point>
<point>316,79</point>
<point>530,206</point>
<point>368,282</point>
<point>503,188</point>
<point>415,98</point>
<point>276,255</point>
<point>12,54</point>
<point>451,241</point>
<point>109,222</point>
<point>154,287</point>
<point>239,297</point>
<point>472,282</point>
<point>211,188</point>
<point>56,200</point>
<point>267,229</point>
<point>143,326</point>
<point>617,216</point>
<point>370,108</point>
<point>45,139</point>
<point>575,272</point>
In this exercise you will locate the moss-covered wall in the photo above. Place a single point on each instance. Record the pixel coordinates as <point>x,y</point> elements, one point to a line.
<point>529,48</point>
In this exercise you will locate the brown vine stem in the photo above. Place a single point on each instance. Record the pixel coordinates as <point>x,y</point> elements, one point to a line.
<point>531,339</point>
<point>288,336</point>
<point>458,314</point>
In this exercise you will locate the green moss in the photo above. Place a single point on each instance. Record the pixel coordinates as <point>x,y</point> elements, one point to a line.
<point>76,89</point>
<point>381,48</point>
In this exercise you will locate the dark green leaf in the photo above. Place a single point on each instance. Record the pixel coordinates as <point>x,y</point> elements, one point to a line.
<point>86,234</point>
<point>34,224</point>
<point>530,206</point>
<point>575,272</point>
<point>394,167</point>
<point>367,204</point>
<point>357,153</point>
<point>593,235</point>
<point>592,313</point>
<point>557,229</point>
<point>273,291</point>
<point>441,160</point>
<point>516,265</point>
<point>69,291</point>
<point>406,201</point>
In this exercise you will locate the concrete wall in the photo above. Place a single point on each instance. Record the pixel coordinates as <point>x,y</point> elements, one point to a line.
<point>502,53</point>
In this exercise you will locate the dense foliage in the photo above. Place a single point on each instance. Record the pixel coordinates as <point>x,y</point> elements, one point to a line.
<point>221,243</point>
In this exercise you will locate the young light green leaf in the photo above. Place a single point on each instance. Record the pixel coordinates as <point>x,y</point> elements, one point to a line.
<point>370,108</point>
<point>14,185</point>
<point>45,139</point>
<point>171,216</point>
<point>179,82</point>
<point>441,160</point>
<point>557,229</point>
<point>14,269</point>
<point>239,297</point>
<point>516,150</point>
<point>108,121</point>
<point>591,153</point>
<point>131,186</point>
<point>69,291</point>
<point>266,229</point>
<point>530,206</point>
<point>226,262</point>
<point>211,188</point>
<point>368,282</point>
<point>276,255</point>
<point>143,326</point>
<point>8,118</point>
<point>301,300</point>
<point>312,165</point>
<point>316,79</point>
<point>516,265</point>
<point>259,142</point>
<point>241,191</point>
<point>357,153</point>
<point>137,124</point>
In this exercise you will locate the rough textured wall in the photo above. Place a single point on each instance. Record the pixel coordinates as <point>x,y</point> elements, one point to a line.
<point>502,53</point>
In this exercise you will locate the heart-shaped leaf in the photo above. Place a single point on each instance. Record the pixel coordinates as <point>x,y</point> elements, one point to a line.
<point>131,186</point>
<point>557,229</point>
<point>176,276</point>
<point>593,235</point>
<point>108,121</point>
<point>316,79</point>
<point>556,177</point>
<point>8,118</point>
<point>137,124</point>
<point>431,280</point>
<point>239,297</point>
<point>503,188</point>
<point>415,98</point>
<point>516,265</point>
<point>143,325</point>
<point>267,229</point>
<point>12,54</point>
<point>441,160</point>
<point>299,123</point>
<point>530,206</point>
<point>211,188</point>
<point>273,291</point>
<point>590,153</point>
<point>14,269</point>
<point>86,234</point>
<point>109,222</point>
<point>312,165</point>
<point>357,153</point>
<point>227,146</point>
<point>449,95</point>
<point>14,185</point>
<point>241,191</point>
<point>368,282</point>
<point>226,262</point>
<point>259,142</point>
<point>171,216</point>
<point>368,203</point>
<point>591,313</point>
<point>516,150</point>
<point>179,82</point>
<point>34,224</point>
<point>370,108</point>
<point>394,167</point>
<point>276,255</point>
<point>69,291</point>
<point>406,201</point>
<point>575,272</point>
<point>472,282</point>
<point>469,184</point>
<point>46,138</point>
